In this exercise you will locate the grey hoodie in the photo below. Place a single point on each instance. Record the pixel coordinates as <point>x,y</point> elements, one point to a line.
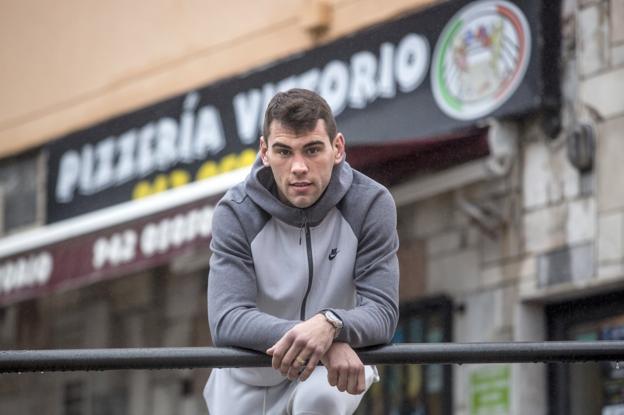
<point>274,265</point>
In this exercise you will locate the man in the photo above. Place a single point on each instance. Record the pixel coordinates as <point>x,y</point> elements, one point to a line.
<point>303,268</point>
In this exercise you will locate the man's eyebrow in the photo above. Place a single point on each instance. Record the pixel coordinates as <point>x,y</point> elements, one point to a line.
<point>281,145</point>
<point>315,143</point>
<point>307,145</point>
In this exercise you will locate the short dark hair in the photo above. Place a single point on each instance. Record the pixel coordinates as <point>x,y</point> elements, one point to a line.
<point>299,110</point>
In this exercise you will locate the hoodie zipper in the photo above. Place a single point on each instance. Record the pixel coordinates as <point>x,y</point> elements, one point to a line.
<point>308,239</point>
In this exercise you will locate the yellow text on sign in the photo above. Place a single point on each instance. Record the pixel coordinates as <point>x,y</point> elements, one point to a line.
<point>180,177</point>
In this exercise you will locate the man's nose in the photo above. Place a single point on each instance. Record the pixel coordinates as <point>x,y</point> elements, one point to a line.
<point>299,165</point>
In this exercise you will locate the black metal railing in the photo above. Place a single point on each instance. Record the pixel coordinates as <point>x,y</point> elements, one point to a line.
<point>12,361</point>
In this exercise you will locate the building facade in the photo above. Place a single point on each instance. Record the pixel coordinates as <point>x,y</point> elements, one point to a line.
<point>495,124</point>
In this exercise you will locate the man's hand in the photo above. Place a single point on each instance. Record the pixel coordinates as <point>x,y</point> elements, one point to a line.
<point>298,352</point>
<point>345,370</point>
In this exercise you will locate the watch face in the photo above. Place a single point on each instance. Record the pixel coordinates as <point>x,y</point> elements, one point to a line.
<point>333,318</point>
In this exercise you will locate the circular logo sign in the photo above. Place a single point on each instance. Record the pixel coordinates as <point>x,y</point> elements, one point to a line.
<point>480,59</point>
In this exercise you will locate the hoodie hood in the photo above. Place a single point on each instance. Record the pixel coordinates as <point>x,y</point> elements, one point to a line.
<point>262,189</point>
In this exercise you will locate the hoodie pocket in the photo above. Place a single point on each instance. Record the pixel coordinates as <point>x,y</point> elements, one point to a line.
<point>257,376</point>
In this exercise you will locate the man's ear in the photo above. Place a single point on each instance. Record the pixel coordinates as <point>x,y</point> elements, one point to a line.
<point>263,151</point>
<point>339,148</point>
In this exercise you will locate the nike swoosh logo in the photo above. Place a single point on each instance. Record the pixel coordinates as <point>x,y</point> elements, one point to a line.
<point>333,254</point>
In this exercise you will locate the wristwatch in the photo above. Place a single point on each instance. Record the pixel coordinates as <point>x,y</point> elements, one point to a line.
<point>334,320</point>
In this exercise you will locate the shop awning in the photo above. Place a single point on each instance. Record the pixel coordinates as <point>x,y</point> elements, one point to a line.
<point>114,241</point>
<point>397,161</point>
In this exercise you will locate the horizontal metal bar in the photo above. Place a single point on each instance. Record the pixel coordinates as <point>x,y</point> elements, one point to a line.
<point>404,353</point>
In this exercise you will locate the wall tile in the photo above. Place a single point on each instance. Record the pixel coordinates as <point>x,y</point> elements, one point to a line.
<point>592,39</point>
<point>617,20</point>
<point>611,237</point>
<point>598,93</point>
<point>610,169</point>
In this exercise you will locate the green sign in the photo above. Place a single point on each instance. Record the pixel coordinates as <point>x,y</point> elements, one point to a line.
<point>490,390</point>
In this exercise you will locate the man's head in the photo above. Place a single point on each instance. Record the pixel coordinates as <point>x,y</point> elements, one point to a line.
<point>299,109</point>
<point>300,145</point>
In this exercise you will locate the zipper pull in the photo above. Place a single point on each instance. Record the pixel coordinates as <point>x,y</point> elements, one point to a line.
<point>303,225</point>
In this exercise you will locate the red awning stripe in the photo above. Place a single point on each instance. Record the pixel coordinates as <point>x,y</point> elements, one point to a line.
<point>394,162</point>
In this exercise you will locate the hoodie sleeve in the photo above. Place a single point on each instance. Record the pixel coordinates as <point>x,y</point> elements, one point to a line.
<point>376,276</point>
<point>233,316</point>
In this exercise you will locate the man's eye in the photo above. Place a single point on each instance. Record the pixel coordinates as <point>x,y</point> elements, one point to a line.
<point>313,150</point>
<point>283,152</point>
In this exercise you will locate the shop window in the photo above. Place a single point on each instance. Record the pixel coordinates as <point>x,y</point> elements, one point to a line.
<point>80,398</point>
<point>19,192</point>
<point>112,402</point>
<point>73,398</point>
<point>594,387</point>
<point>415,389</point>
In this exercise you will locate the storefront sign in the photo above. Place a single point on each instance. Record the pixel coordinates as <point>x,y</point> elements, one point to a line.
<point>480,59</point>
<point>423,75</point>
<point>126,248</point>
<point>490,390</point>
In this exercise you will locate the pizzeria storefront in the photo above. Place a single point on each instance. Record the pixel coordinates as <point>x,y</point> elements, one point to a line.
<point>442,106</point>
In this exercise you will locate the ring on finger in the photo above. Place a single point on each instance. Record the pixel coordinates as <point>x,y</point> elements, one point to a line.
<point>301,361</point>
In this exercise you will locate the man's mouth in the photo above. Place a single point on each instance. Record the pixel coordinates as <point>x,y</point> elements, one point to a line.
<point>300,184</point>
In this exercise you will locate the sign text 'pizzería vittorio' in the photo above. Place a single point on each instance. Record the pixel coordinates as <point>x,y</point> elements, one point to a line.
<point>425,74</point>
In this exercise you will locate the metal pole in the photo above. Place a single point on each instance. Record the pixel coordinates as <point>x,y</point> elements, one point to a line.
<point>12,361</point>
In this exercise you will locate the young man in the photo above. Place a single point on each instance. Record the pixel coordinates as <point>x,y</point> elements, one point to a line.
<point>303,268</point>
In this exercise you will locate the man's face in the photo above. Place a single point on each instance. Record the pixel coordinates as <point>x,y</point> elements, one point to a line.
<point>301,164</point>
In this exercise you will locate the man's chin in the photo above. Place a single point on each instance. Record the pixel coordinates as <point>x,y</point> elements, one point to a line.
<point>301,202</point>
<point>301,205</point>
